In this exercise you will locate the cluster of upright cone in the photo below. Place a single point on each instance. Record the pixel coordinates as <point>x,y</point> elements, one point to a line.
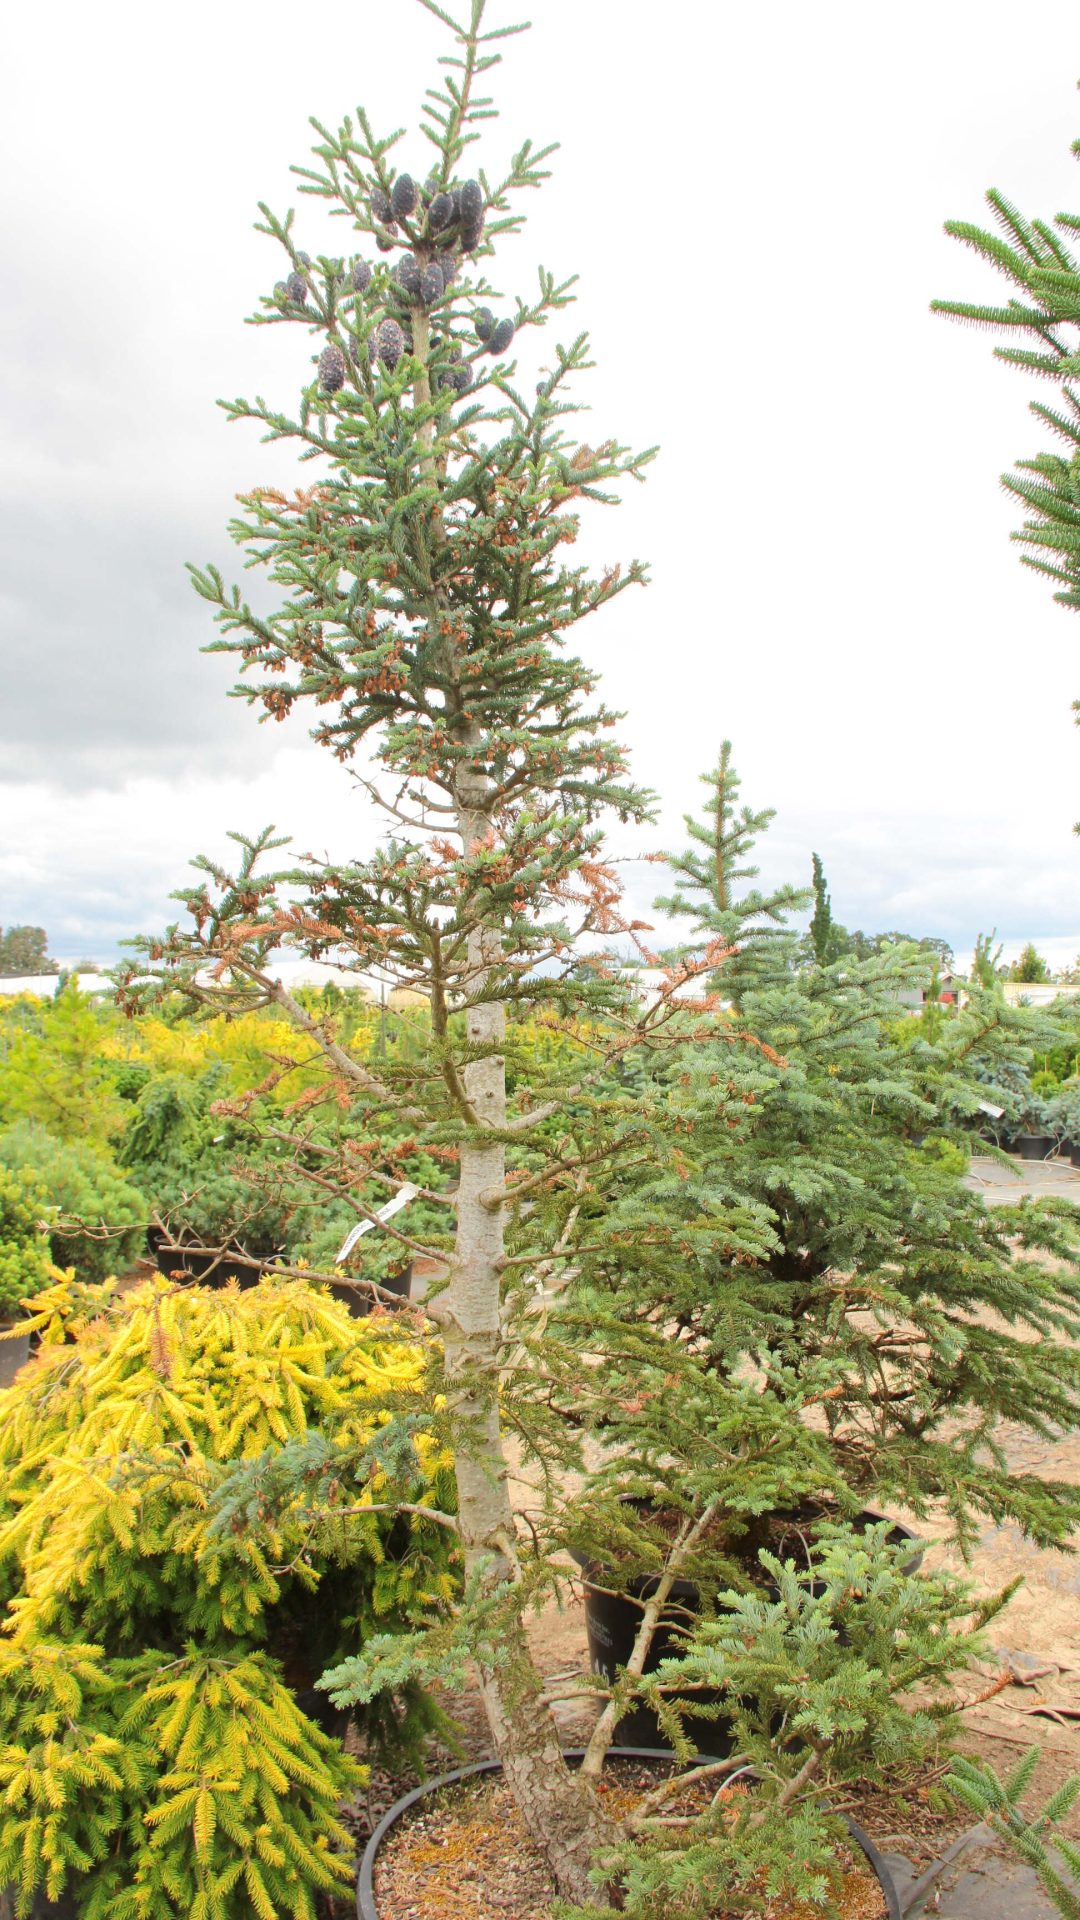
<point>433,216</point>
<point>436,226</point>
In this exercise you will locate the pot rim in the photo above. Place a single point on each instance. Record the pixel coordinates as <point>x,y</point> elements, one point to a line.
<point>365,1886</point>
<point>682,1589</point>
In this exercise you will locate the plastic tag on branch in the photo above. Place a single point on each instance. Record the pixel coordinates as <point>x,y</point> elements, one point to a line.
<point>401,1199</point>
<point>994,1112</point>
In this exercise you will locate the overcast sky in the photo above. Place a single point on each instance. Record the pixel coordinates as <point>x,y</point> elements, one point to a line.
<point>753,197</point>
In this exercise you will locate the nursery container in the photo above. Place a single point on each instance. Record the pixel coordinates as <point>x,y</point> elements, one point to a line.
<point>612,1621</point>
<point>14,1353</point>
<point>1035,1146</point>
<point>359,1300</point>
<point>367,1906</point>
<point>199,1263</point>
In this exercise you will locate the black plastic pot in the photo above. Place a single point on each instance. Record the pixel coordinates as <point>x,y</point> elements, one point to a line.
<point>196,1262</point>
<point>1073,1147</point>
<point>612,1621</point>
<point>66,1908</point>
<point>367,1907</point>
<point>319,1707</point>
<point>359,1300</point>
<point>14,1353</point>
<point>1034,1146</point>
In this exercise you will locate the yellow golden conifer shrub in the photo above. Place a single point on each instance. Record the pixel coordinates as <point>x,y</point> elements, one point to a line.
<point>156,1660</point>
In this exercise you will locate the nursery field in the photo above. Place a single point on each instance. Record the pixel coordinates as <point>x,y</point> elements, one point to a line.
<point>595,1433</point>
<point>140,1147</point>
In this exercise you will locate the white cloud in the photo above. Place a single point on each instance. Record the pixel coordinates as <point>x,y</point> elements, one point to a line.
<point>754,199</point>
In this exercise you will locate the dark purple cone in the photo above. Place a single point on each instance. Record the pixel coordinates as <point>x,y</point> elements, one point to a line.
<point>484,322</point>
<point>384,243</point>
<point>297,287</point>
<point>440,213</point>
<point>304,259</point>
<point>407,274</point>
<point>389,343</point>
<point>501,337</point>
<point>404,196</point>
<point>448,267</point>
<point>331,368</point>
<point>455,203</point>
<point>431,284</point>
<point>281,291</point>
<point>472,203</point>
<point>472,233</point>
<point>361,276</point>
<point>457,379</point>
<point>380,207</point>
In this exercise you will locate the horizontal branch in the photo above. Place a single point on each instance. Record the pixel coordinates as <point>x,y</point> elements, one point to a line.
<point>386,1506</point>
<point>336,1055</point>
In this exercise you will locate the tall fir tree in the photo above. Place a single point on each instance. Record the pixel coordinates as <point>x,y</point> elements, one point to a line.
<point>421,602</point>
<point>423,594</point>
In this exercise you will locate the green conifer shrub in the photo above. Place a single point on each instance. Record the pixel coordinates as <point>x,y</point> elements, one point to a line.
<point>1030,968</point>
<point>24,1251</point>
<point>820,931</point>
<point>152,1748</point>
<point>53,1072</point>
<point>96,1218</point>
<point>882,1276</point>
<point>200,1169</point>
<point>231,1171</point>
<point>839,1666</point>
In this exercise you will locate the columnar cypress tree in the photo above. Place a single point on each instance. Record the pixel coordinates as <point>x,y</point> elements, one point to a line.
<point>821,920</point>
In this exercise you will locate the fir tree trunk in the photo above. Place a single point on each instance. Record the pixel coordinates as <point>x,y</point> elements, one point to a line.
<point>560,1811</point>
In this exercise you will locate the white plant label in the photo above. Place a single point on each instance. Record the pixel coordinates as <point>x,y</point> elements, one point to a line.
<point>401,1199</point>
<point>994,1112</point>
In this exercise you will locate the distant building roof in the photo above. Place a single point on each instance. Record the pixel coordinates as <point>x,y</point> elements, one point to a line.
<point>1037,993</point>
<point>44,985</point>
